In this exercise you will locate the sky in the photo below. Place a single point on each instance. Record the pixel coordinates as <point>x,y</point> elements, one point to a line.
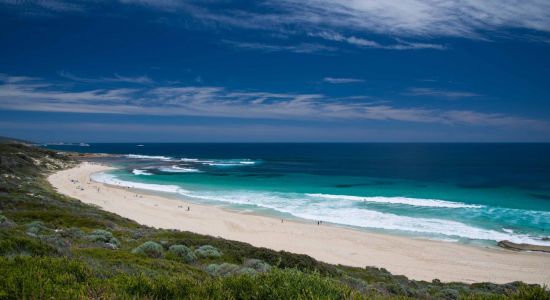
<point>275,71</point>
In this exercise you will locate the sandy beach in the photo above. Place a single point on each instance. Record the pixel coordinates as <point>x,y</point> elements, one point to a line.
<point>415,258</point>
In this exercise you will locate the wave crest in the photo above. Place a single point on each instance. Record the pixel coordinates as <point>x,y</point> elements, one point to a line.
<point>150,157</point>
<point>141,172</point>
<point>399,200</point>
<point>113,180</point>
<point>178,169</point>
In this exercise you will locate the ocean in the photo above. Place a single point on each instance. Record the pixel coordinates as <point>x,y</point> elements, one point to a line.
<point>466,193</point>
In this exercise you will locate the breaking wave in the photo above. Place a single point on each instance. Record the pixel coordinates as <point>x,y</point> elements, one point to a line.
<point>178,169</point>
<point>149,157</point>
<point>113,180</point>
<point>399,200</point>
<point>141,172</point>
<point>344,210</point>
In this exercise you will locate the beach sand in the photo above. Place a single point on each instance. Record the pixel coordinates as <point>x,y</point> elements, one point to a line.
<point>415,258</point>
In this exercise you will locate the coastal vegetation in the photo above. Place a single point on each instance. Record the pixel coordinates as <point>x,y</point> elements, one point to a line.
<point>53,246</point>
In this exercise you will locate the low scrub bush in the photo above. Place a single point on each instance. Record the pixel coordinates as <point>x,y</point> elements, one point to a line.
<point>105,237</point>
<point>61,244</point>
<point>5,222</point>
<point>14,244</point>
<point>257,265</point>
<point>36,228</point>
<point>73,233</point>
<point>149,249</point>
<point>250,267</point>
<point>207,251</point>
<point>181,252</point>
<point>225,269</point>
<point>286,284</point>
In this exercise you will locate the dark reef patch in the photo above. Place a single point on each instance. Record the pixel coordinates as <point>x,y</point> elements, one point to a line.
<point>540,196</point>
<point>373,183</point>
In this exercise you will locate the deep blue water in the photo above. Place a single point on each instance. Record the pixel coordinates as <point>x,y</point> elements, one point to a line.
<point>462,192</point>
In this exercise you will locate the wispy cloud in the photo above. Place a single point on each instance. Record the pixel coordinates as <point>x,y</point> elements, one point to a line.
<point>265,47</point>
<point>427,18</point>
<point>431,92</point>
<point>424,19</point>
<point>32,94</point>
<point>336,80</point>
<point>366,43</point>
<point>116,78</point>
<point>45,6</point>
<point>404,25</point>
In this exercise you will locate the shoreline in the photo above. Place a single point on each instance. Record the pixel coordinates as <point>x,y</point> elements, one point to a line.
<point>419,259</point>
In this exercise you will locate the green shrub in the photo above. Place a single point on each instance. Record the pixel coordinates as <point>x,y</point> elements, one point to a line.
<point>250,267</point>
<point>35,228</point>
<point>72,233</point>
<point>286,284</point>
<point>257,265</point>
<point>5,222</point>
<point>181,252</point>
<point>13,244</point>
<point>104,236</point>
<point>58,242</point>
<point>149,249</point>
<point>42,278</point>
<point>225,269</point>
<point>448,294</point>
<point>531,292</point>
<point>208,251</point>
<point>247,271</point>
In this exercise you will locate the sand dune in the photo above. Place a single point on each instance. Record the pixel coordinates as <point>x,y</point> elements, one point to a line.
<point>415,258</point>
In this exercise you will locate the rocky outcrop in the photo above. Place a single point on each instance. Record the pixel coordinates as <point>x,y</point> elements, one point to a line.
<point>523,247</point>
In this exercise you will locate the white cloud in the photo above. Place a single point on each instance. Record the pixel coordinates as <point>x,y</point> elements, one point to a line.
<point>46,5</point>
<point>397,24</point>
<point>115,78</point>
<point>335,80</point>
<point>265,47</point>
<point>365,43</point>
<point>440,93</point>
<point>425,18</point>
<point>400,18</point>
<point>31,94</point>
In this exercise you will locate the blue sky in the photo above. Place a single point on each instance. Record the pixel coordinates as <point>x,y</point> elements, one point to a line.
<point>275,70</point>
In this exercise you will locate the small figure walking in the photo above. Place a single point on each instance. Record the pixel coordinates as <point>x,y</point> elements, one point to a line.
<point>188,208</point>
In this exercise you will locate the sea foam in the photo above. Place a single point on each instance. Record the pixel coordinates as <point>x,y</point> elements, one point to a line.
<point>230,162</point>
<point>178,169</point>
<point>150,157</point>
<point>219,162</point>
<point>141,172</point>
<point>113,180</point>
<point>345,211</point>
<point>399,200</point>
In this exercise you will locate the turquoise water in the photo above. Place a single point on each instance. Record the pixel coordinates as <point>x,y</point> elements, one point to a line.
<point>469,193</point>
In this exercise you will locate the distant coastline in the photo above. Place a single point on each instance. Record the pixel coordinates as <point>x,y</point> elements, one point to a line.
<point>416,258</point>
<point>444,196</point>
